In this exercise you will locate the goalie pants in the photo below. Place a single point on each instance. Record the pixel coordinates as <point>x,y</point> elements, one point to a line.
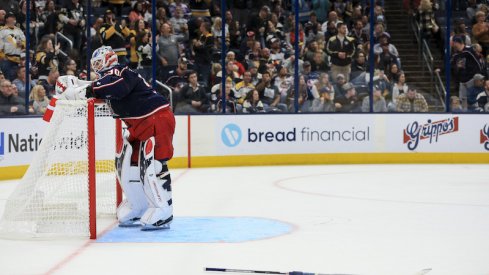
<point>161,125</point>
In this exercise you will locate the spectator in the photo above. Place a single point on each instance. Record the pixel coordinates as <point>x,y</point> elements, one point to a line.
<point>301,95</point>
<point>47,56</point>
<point>3,13</point>
<point>70,65</point>
<point>427,19</point>
<point>179,22</point>
<point>480,31</point>
<point>177,78</point>
<point>139,28</point>
<point>398,88</point>
<point>471,10</point>
<point>169,48</point>
<point>12,45</point>
<point>72,17</point>
<point>381,79</point>
<point>460,31</point>
<point>252,103</point>
<point>50,18</point>
<point>333,21</point>
<point>474,91</point>
<point>114,35</point>
<point>234,31</point>
<point>10,104</point>
<point>379,104</point>
<point>386,53</point>
<point>137,12</point>
<point>194,99</point>
<point>411,102</point>
<point>455,106</point>
<point>161,16</point>
<point>203,49</point>
<point>284,82</point>
<point>35,24</point>
<point>20,82</point>
<point>244,87</point>
<point>325,102</point>
<point>258,23</point>
<point>340,82</point>
<point>359,34</point>
<point>216,31</point>
<point>318,63</point>
<point>313,27</point>
<point>341,49</point>
<point>465,65</point>
<point>349,103</point>
<point>268,92</point>
<point>39,100</point>
<point>331,31</point>
<point>483,98</point>
<point>359,69</point>
<point>277,54</point>
<point>96,37</point>
<point>49,82</point>
<point>216,98</point>
<point>144,53</point>
<point>324,84</point>
<point>231,56</point>
<point>393,73</point>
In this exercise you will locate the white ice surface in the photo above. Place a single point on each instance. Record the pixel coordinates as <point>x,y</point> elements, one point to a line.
<point>361,219</point>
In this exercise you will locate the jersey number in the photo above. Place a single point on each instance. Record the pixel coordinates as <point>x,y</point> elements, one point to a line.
<point>114,72</point>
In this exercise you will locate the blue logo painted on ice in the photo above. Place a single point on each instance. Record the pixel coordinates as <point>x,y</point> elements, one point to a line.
<point>231,135</point>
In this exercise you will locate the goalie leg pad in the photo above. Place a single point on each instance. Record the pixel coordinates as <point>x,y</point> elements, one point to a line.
<point>135,203</point>
<point>157,186</point>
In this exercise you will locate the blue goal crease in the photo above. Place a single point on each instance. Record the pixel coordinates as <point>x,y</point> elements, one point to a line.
<point>202,230</point>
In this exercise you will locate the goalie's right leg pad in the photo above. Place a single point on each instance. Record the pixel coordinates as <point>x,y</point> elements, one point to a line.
<point>135,203</point>
<point>157,186</point>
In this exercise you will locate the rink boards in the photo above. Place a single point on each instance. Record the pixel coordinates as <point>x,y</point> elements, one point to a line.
<point>235,140</point>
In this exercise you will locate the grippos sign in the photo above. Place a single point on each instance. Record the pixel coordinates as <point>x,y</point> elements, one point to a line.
<point>279,134</point>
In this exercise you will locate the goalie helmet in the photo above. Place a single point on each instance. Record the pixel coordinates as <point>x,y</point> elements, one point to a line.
<point>64,82</point>
<point>103,58</point>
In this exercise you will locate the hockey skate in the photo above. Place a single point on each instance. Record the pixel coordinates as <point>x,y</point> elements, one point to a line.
<point>159,225</point>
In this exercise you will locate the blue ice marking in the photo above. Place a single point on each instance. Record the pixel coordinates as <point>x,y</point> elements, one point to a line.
<point>202,230</point>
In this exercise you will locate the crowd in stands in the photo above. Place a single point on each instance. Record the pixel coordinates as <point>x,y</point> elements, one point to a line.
<point>333,38</point>
<point>469,42</point>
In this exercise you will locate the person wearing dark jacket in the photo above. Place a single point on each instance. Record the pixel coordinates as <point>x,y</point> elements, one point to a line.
<point>10,104</point>
<point>465,65</point>
<point>193,97</point>
<point>341,49</point>
<point>203,49</point>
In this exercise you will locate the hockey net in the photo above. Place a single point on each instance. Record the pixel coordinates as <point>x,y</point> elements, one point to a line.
<point>57,195</point>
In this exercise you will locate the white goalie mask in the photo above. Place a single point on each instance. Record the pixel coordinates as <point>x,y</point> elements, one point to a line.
<point>103,58</point>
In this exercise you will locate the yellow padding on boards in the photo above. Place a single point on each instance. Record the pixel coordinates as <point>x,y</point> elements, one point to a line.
<point>73,168</point>
<point>342,158</point>
<point>15,172</point>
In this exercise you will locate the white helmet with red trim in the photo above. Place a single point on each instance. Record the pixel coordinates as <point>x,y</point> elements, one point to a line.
<point>103,58</point>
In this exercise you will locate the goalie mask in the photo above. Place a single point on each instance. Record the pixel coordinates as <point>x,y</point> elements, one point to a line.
<point>103,58</point>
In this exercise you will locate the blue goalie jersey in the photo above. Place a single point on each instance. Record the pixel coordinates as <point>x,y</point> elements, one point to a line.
<point>128,94</point>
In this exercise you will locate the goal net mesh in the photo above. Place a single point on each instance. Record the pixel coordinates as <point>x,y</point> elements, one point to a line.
<point>52,198</point>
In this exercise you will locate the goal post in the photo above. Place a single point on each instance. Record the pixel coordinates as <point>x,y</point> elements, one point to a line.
<point>71,180</point>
